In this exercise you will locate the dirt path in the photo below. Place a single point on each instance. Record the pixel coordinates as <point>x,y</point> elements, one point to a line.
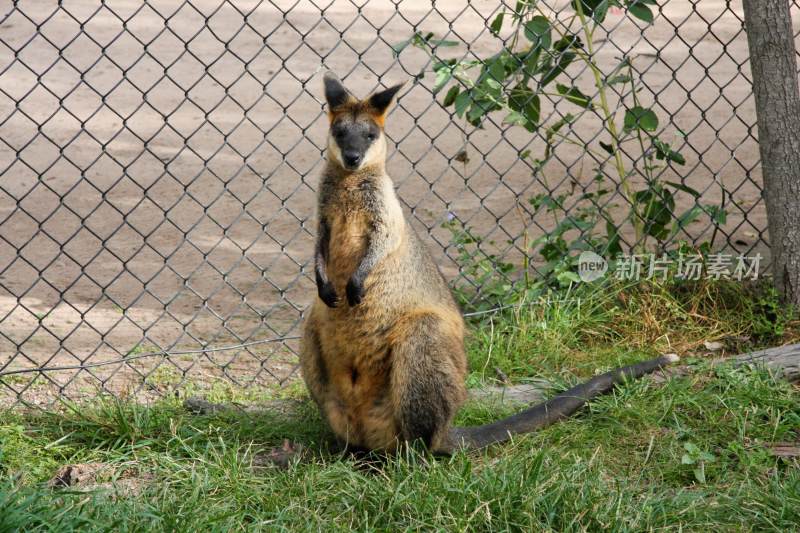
<point>165,199</point>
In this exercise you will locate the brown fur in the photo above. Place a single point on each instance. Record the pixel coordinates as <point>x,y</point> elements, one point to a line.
<point>383,351</point>
<point>360,110</point>
<point>374,368</point>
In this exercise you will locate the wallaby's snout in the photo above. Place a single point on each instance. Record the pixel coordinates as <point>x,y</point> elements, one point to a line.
<point>352,158</point>
<point>353,136</point>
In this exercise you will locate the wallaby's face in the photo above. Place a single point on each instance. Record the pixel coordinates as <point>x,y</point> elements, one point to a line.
<point>355,138</point>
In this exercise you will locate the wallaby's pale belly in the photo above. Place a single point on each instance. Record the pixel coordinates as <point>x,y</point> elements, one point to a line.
<point>358,405</point>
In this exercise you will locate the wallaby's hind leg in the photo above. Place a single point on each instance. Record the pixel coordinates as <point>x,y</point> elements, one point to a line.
<point>318,378</point>
<point>315,373</point>
<point>427,375</point>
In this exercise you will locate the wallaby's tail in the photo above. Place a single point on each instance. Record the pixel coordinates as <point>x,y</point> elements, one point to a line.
<point>544,414</point>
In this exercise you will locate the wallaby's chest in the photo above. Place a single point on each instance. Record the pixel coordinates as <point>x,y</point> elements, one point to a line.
<point>350,224</point>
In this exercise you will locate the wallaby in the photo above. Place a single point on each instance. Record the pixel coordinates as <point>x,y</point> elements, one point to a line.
<point>383,345</point>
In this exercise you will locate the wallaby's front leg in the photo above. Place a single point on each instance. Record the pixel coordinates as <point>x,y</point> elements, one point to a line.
<point>381,243</point>
<point>325,289</point>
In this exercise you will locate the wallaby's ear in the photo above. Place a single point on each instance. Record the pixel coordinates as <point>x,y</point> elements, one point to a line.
<point>380,101</point>
<point>335,93</point>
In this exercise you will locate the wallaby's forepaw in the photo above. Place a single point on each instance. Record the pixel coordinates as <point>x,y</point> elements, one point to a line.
<point>328,294</point>
<point>355,292</point>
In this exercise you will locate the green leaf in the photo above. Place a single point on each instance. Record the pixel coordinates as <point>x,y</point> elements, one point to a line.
<point>538,201</point>
<point>443,75</point>
<point>480,108</point>
<point>717,214</point>
<point>689,216</point>
<point>475,113</point>
<point>596,9</point>
<point>569,40</point>
<point>537,31</point>
<point>707,457</point>
<point>581,224</point>
<point>399,47</point>
<point>619,78</point>
<point>444,63</point>
<point>531,61</point>
<point>607,147</point>
<point>683,187</point>
<point>677,158</point>
<point>462,103</point>
<point>519,97</point>
<point>515,118</point>
<point>497,23</point>
<point>599,13</point>
<point>497,69</point>
<point>491,86</point>
<point>700,474</point>
<point>450,97</point>
<point>691,447</point>
<point>563,62</point>
<point>442,42</point>
<point>524,101</point>
<point>657,207</point>
<point>612,236</point>
<point>664,151</point>
<point>640,11</point>
<point>567,277</point>
<point>574,95</point>
<point>532,112</point>
<point>640,118</point>
<point>552,130</point>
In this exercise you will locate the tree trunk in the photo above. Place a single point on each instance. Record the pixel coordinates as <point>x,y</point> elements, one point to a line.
<point>772,59</point>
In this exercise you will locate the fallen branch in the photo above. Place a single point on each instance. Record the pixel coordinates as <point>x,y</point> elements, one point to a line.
<point>784,361</point>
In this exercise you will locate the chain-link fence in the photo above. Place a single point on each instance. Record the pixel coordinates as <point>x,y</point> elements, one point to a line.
<point>158,163</point>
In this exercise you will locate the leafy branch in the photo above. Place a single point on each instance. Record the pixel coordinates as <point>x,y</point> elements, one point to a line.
<point>531,63</point>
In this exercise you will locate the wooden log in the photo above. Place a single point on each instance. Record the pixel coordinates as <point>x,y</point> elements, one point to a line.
<point>536,391</point>
<point>784,361</point>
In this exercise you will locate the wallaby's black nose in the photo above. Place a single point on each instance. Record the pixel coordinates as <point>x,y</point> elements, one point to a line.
<point>351,159</point>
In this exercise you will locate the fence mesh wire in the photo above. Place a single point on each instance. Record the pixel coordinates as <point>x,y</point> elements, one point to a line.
<point>158,163</point>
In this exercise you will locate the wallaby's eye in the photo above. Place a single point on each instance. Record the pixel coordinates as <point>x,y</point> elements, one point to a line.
<point>371,136</point>
<point>338,133</point>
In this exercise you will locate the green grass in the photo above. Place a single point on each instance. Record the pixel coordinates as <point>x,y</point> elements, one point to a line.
<point>691,455</point>
<point>600,327</point>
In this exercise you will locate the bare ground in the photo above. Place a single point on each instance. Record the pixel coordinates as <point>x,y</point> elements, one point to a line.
<point>157,180</point>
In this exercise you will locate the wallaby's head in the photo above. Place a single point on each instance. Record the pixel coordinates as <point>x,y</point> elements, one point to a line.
<point>355,138</point>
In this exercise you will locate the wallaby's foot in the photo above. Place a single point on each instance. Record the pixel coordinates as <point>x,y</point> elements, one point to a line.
<point>289,452</point>
<point>363,458</point>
